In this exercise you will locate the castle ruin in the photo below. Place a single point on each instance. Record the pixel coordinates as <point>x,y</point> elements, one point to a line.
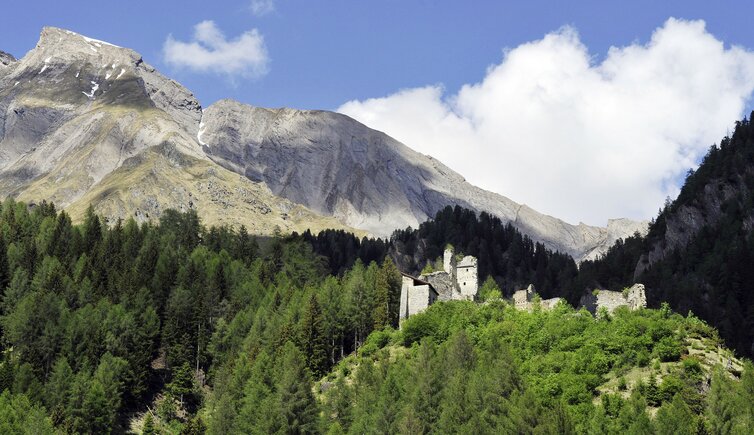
<point>459,280</point>
<point>526,299</point>
<point>416,296</point>
<point>633,298</point>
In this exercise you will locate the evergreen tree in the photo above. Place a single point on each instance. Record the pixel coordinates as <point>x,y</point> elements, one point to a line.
<point>313,337</point>
<point>181,385</point>
<point>723,413</point>
<point>260,410</point>
<point>428,387</point>
<point>299,408</point>
<point>382,291</point>
<point>59,390</point>
<point>674,417</point>
<point>148,426</point>
<point>5,274</point>
<point>92,230</point>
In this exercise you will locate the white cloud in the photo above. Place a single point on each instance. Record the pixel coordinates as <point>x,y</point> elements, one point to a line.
<point>261,7</point>
<point>210,51</point>
<point>581,140</point>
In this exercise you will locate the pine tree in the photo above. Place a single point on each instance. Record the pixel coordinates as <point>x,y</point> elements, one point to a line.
<point>723,412</point>
<point>6,374</point>
<point>194,426</point>
<point>674,417</point>
<point>182,384</point>
<point>92,230</point>
<point>653,393</point>
<point>313,337</point>
<point>260,410</point>
<point>5,273</point>
<point>247,246</point>
<point>428,387</point>
<point>381,314</point>
<point>299,408</point>
<point>393,278</point>
<point>633,415</point>
<point>59,389</point>
<point>148,426</point>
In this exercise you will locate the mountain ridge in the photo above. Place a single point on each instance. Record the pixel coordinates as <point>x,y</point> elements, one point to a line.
<point>74,109</point>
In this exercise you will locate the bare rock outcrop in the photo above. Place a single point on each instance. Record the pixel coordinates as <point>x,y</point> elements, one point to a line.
<point>366,179</point>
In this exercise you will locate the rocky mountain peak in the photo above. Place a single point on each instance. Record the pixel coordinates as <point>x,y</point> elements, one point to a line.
<point>86,68</point>
<point>65,44</point>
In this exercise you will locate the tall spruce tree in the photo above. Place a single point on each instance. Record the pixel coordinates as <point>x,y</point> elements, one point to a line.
<point>299,408</point>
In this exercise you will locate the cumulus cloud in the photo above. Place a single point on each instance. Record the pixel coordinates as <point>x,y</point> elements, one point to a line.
<point>210,51</point>
<point>578,139</point>
<point>261,7</point>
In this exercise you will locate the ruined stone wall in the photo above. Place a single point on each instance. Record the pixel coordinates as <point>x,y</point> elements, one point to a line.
<point>524,300</point>
<point>449,263</point>
<point>442,282</point>
<point>637,297</point>
<point>414,299</point>
<point>634,299</point>
<point>549,304</point>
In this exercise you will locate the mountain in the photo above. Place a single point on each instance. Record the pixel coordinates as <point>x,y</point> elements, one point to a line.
<point>699,252</point>
<point>83,121</point>
<point>340,167</point>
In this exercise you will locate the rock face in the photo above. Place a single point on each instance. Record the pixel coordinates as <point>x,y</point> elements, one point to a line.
<point>366,179</point>
<point>691,216</point>
<point>85,121</point>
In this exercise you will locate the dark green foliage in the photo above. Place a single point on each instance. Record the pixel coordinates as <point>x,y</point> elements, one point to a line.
<point>298,408</point>
<point>19,416</point>
<point>182,384</point>
<point>312,337</point>
<point>343,249</point>
<point>148,426</point>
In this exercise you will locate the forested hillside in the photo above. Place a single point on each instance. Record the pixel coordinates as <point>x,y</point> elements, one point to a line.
<point>461,367</point>
<point>99,321</point>
<point>178,328</point>
<point>699,253</point>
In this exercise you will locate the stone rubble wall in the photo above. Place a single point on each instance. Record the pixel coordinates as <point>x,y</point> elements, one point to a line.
<point>635,298</point>
<point>443,285</point>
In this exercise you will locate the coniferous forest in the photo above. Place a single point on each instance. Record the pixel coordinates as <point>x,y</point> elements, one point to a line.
<point>176,328</point>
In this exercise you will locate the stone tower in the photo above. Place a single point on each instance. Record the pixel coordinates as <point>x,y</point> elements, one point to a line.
<point>467,278</point>
<point>449,262</point>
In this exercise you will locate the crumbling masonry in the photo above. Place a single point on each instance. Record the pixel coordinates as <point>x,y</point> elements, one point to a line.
<point>457,281</point>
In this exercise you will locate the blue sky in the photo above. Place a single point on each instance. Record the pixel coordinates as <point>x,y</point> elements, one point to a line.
<point>584,110</point>
<point>323,53</point>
